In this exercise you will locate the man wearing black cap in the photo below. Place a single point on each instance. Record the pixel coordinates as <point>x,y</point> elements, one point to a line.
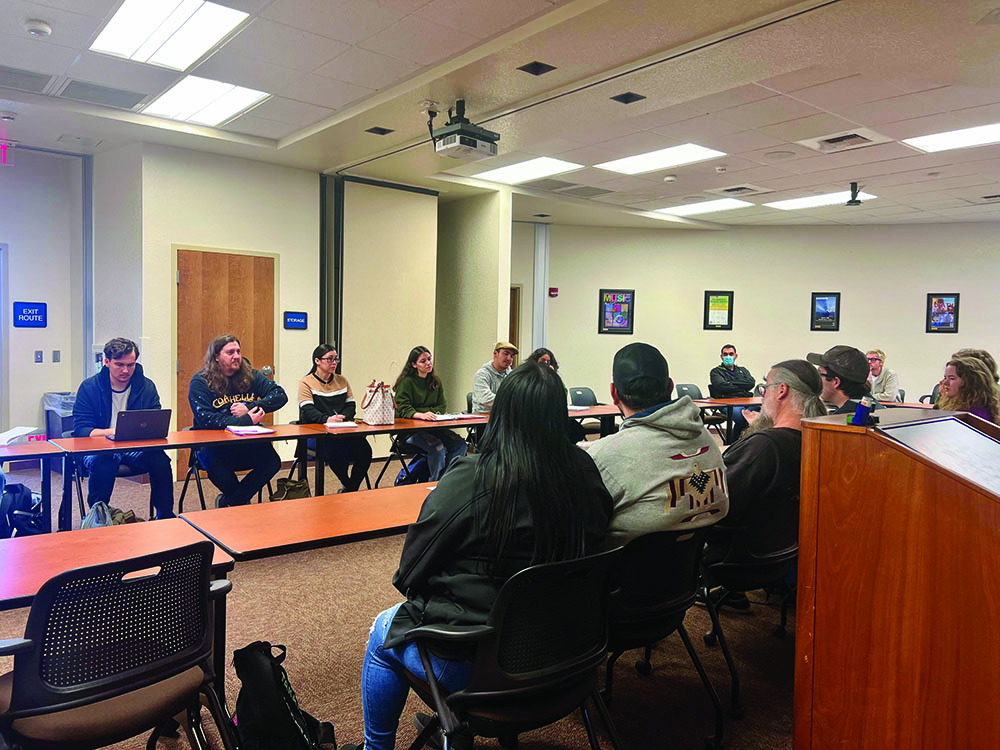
<point>844,370</point>
<point>663,469</point>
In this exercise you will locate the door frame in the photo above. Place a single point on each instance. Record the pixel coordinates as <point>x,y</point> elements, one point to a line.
<point>174,248</point>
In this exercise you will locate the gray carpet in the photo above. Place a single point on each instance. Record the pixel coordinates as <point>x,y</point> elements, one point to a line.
<point>320,604</point>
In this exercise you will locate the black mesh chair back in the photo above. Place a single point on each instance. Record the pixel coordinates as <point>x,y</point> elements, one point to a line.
<point>582,396</point>
<point>468,402</point>
<point>688,389</point>
<point>538,656</point>
<point>100,632</point>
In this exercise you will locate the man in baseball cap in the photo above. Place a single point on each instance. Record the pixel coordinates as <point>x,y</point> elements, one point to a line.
<point>844,370</point>
<point>663,469</point>
<point>489,377</point>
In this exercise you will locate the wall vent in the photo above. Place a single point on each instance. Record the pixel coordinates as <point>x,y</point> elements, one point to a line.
<point>737,191</point>
<point>846,140</point>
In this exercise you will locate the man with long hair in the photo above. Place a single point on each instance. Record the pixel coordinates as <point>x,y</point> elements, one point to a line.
<point>226,391</point>
<point>120,386</point>
<point>663,469</point>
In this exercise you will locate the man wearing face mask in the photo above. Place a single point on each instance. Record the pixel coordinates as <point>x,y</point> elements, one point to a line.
<point>728,380</point>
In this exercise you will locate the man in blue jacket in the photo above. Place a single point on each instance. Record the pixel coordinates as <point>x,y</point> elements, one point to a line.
<point>120,386</point>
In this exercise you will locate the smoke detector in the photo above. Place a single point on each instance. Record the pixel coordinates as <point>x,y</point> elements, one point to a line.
<point>37,28</point>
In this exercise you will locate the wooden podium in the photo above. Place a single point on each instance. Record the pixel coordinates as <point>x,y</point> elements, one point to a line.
<point>897,642</point>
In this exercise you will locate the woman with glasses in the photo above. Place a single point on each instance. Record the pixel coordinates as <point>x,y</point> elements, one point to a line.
<point>420,395</point>
<point>968,386</point>
<point>885,382</point>
<point>325,397</point>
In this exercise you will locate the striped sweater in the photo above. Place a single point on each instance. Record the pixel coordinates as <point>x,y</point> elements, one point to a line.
<point>318,400</point>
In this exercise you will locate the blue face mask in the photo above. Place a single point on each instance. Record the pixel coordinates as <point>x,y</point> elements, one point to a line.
<point>728,361</point>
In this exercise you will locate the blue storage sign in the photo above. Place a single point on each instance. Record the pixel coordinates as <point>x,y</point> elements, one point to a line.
<point>30,315</point>
<point>297,320</point>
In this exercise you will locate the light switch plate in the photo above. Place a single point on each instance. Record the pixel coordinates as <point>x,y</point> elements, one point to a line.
<point>39,355</point>
<point>56,355</point>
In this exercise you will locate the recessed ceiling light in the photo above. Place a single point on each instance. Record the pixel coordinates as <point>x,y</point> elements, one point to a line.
<point>525,171</point>
<point>203,101</point>
<point>779,154</point>
<point>628,97</point>
<point>812,201</point>
<point>172,34</point>
<point>537,68</point>
<point>705,207</point>
<point>380,131</point>
<point>675,156</point>
<point>965,138</point>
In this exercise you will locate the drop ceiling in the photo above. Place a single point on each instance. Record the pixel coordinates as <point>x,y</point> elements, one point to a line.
<point>761,80</point>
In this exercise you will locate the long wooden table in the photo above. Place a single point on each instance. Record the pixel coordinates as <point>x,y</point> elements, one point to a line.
<point>29,561</point>
<point>728,404</point>
<point>43,451</point>
<point>248,532</point>
<point>605,413</point>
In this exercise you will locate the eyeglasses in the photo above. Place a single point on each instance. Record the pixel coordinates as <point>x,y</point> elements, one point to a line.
<point>761,388</point>
<point>874,359</point>
<point>329,359</point>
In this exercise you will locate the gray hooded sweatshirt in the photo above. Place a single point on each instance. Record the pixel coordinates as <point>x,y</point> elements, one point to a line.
<point>663,470</point>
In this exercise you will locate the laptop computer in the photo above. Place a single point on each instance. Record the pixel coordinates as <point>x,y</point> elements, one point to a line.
<point>142,424</point>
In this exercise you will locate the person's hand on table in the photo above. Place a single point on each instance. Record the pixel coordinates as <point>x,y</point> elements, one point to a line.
<point>335,418</point>
<point>239,409</point>
<point>256,414</point>
<point>427,416</point>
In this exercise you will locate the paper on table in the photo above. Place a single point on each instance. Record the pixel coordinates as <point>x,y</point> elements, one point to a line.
<point>463,415</point>
<point>335,425</point>
<point>573,407</point>
<point>8,437</point>
<point>253,429</point>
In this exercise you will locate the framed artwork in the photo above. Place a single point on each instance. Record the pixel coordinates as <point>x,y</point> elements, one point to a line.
<point>616,311</point>
<point>718,311</point>
<point>942,313</point>
<point>824,312</point>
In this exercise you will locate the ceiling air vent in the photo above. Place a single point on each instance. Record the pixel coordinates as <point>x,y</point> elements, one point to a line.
<point>549,184</point>
<point>585,191</point>
<point>844,141</point>
<point>103,95</point>
<point>23,80</point>
<point>736,191</point>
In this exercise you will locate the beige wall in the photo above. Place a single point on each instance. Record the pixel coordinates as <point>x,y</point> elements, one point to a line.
<point>883,272</point>
<point>206,201</point>
<point>40,222</point>
<point>473,283</point>
<point>522,269</point>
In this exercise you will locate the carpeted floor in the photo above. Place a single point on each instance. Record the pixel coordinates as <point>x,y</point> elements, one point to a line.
<point>320,604</point>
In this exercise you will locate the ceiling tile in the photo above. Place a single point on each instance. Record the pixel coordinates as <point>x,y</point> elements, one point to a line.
<point>122,74</point>
<point>738,143</point>
<point>419,41</point>
<point>848,92</point>
<point>665,116</point>
<point>246,71</point>
<point>809,127</point>
<point>730,98</point>
<point>258,126</point>
<point>247,6</point>
<point>368,69</point>
<point>324,92</point>
<point>38,57</point>
<point>283,45</point>
<point>804,77</point>
<point>350,21</point>
<point>903,107</point>
<point>291,112</point>
<point>767,112</point>
<point>960,97</point>
<point>987,114</point>
<point>481,18</point>
<point>550,147</point>
<point>68,29</point>
<point>911,128</point>
<point>99,8</point>
<point>698,127</point>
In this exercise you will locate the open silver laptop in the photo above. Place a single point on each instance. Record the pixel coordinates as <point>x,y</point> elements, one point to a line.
<point>142,424</point>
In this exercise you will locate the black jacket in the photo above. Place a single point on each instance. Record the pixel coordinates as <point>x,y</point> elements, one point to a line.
<point>726,383</point>
<point>211,411</point>
<point>443,567</point>
<point>92,410</point>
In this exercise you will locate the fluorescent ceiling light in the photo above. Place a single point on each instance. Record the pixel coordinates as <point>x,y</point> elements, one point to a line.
<point>813,201</point>
<point>965,138</point>
<point>169,33</point>
<point>525,171</point>
<point>665,158</point>
<point>705,207</point>
<point>203,101</point>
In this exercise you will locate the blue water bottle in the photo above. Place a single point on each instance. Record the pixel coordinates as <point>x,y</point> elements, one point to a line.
<point>864,410</point>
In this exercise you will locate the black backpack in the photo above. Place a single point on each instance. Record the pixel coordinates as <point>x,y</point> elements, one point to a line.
<point>268,716</point>
<point>20,512</point>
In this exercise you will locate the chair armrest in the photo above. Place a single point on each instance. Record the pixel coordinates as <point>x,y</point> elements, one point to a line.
<point>219,588</point>
<point>926,396</point>
<point>13,646</point>
<point>451,633</point>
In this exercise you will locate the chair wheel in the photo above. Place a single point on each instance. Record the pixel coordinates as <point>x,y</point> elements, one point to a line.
<point>736,713</point>
<point>642,666</point>
<point>709,638</point>
<point>779,631</point>
<point>711,743</point>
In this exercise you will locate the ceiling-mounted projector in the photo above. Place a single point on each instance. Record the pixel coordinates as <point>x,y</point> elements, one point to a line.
<point>460,139</point>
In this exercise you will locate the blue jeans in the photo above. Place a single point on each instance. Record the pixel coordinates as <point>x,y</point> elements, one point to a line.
<point>384,687</point>
<point>442,447</point>
<point>221,462</point>
<point>103,469</point>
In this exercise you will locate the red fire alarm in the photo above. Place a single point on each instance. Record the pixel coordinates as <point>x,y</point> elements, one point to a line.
<point>553,291</point>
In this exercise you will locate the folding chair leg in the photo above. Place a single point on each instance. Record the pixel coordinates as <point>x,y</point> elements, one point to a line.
<point>595,744</point>
<point>735,709</point>
<point>201,492</point>
<point>223,721</point>
<point>609,677</point>
<point>616,740</point>
<point>184,489</point>
<point>714,742</point>
<point>196,732</point>
<point>394,453</point>
<point>79,492</point>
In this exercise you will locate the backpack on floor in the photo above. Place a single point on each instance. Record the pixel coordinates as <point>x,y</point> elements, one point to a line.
<point>268,716</point>
<point>415,473</point>
<point>20,512</point>
<point>99,515</point>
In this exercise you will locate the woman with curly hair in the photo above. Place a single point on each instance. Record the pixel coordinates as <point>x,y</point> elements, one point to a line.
<point>968,386</point>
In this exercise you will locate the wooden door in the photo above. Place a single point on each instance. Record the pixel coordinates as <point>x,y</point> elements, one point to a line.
<point>221,293</point>
<point>514,324</point>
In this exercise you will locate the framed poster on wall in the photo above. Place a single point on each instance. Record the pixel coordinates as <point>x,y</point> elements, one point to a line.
<point>942,313</point>
<point>616,311</point>
<point>825,311</point>
<point>718,311</point>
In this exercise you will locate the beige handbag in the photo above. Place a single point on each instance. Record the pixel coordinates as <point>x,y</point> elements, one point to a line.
<point>378,404</point>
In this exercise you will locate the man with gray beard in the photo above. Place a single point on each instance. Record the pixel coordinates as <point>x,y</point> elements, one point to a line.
<point>762,470</point>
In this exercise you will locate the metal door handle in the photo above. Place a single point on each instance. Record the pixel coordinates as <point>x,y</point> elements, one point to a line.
<point>267,370</point>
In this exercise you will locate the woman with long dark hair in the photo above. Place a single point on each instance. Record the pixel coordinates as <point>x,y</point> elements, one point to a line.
<point>968,386</point>
<point>528,497</point>
<point>325,397</point>
<point>420,395</point>
<point>544,357</point>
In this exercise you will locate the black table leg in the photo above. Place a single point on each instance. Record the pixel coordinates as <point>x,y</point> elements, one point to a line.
<point>729,424</point>
<point>320,474</point>
<point>66,503</point>
<point>46,494</point>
